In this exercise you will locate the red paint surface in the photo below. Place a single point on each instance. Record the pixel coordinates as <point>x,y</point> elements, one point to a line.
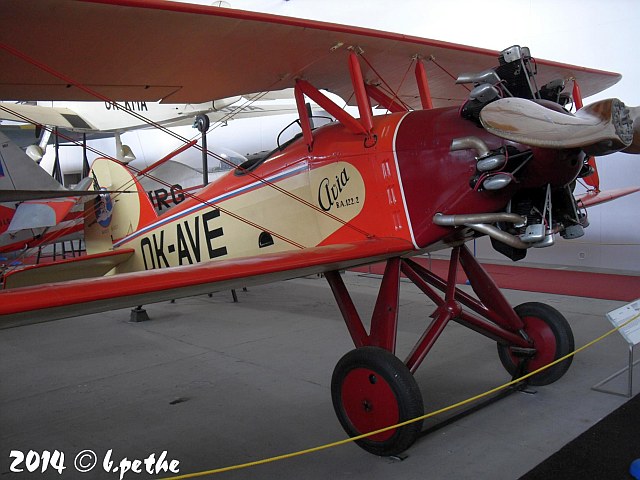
<point>544,341</point>
<point>370,405</point>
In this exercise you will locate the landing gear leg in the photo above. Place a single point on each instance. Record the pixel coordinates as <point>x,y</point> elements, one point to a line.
<point>373,389</point>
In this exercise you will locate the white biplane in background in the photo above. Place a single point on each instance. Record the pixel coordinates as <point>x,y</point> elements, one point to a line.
<point>493,153</point>
<point>172,169</point>
<point>100,119</point>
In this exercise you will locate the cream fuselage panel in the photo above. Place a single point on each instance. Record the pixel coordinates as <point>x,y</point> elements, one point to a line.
<point>236,223</point>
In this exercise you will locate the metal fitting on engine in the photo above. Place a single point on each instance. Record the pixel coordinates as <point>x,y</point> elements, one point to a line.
<point>488,160</point>
<point>484,93</point>
<point>491,162</point>
<point>486,76</point>
<point>470,143</point>
<point>464,219</point>
<point>496,181</point>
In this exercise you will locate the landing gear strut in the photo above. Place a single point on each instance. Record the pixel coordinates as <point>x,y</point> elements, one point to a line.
<point>372,388</point>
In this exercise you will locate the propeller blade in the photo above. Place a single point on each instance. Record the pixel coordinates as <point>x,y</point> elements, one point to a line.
<point>598,129</point>
<point>634,113</point>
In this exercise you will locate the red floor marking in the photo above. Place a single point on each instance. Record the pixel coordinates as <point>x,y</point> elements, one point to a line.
<point>562,282</point>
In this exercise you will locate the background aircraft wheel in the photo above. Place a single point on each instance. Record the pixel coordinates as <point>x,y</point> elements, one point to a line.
<point>552,338</point>
<point>371,389</point>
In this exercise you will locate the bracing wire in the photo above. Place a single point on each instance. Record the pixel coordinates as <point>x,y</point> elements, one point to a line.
<point>140,117</point>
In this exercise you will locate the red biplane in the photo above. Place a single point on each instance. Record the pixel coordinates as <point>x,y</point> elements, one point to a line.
<point>474,142</point>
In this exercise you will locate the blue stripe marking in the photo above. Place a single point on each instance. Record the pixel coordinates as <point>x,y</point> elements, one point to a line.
<point>203,205</point>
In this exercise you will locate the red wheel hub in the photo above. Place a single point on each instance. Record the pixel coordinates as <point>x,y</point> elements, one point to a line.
<point>369,402</point>
<point>544,341</point>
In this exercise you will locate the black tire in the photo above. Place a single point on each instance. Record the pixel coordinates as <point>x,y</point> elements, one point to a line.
<point>371,389</point>
<point>552,338</point>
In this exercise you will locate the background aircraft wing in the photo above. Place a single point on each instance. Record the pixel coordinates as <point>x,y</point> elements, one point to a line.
<point>78,297</point>
<point>147,50</point>
<point>52,116</point>
<point>87,266</point>
<point>34,214</point>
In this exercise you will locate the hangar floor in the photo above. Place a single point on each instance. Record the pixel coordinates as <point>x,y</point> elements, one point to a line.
<point>216,383</point>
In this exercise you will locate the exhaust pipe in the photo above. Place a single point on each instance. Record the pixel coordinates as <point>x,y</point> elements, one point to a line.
<point>480,223</point>
<point>475,218</point>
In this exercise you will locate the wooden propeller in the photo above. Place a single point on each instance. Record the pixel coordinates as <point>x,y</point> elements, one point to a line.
<point>600,128</point>
<point>634,113</point>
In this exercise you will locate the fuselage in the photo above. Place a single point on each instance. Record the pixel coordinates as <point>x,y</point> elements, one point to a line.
<point>344,189</point>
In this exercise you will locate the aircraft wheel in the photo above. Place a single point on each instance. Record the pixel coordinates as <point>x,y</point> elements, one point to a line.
<point>552,338</point>
<point>371,389</point>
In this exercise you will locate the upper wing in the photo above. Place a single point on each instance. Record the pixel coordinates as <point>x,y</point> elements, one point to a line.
<point>78,297</point>
<point>150,50</point>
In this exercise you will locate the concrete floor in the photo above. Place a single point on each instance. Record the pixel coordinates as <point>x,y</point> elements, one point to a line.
<point>215,383</point>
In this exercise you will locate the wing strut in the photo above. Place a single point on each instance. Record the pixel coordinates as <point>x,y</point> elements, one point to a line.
<point>362,126</point>
<point>385,100</point>
<point>343,117</point>
<point>305,123</point>
<point>362,98</point>
<point>593,179</point>
<point>423,85</point>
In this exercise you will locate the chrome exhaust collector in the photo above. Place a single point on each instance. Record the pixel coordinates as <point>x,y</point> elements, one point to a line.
<point>460,220</point>
<point>497,234</point>
<point>480,223</point>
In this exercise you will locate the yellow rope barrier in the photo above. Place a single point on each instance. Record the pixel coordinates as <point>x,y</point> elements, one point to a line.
<point>413,420</point>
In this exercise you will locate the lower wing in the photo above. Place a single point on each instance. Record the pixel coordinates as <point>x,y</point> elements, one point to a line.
<point>79,297</point>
